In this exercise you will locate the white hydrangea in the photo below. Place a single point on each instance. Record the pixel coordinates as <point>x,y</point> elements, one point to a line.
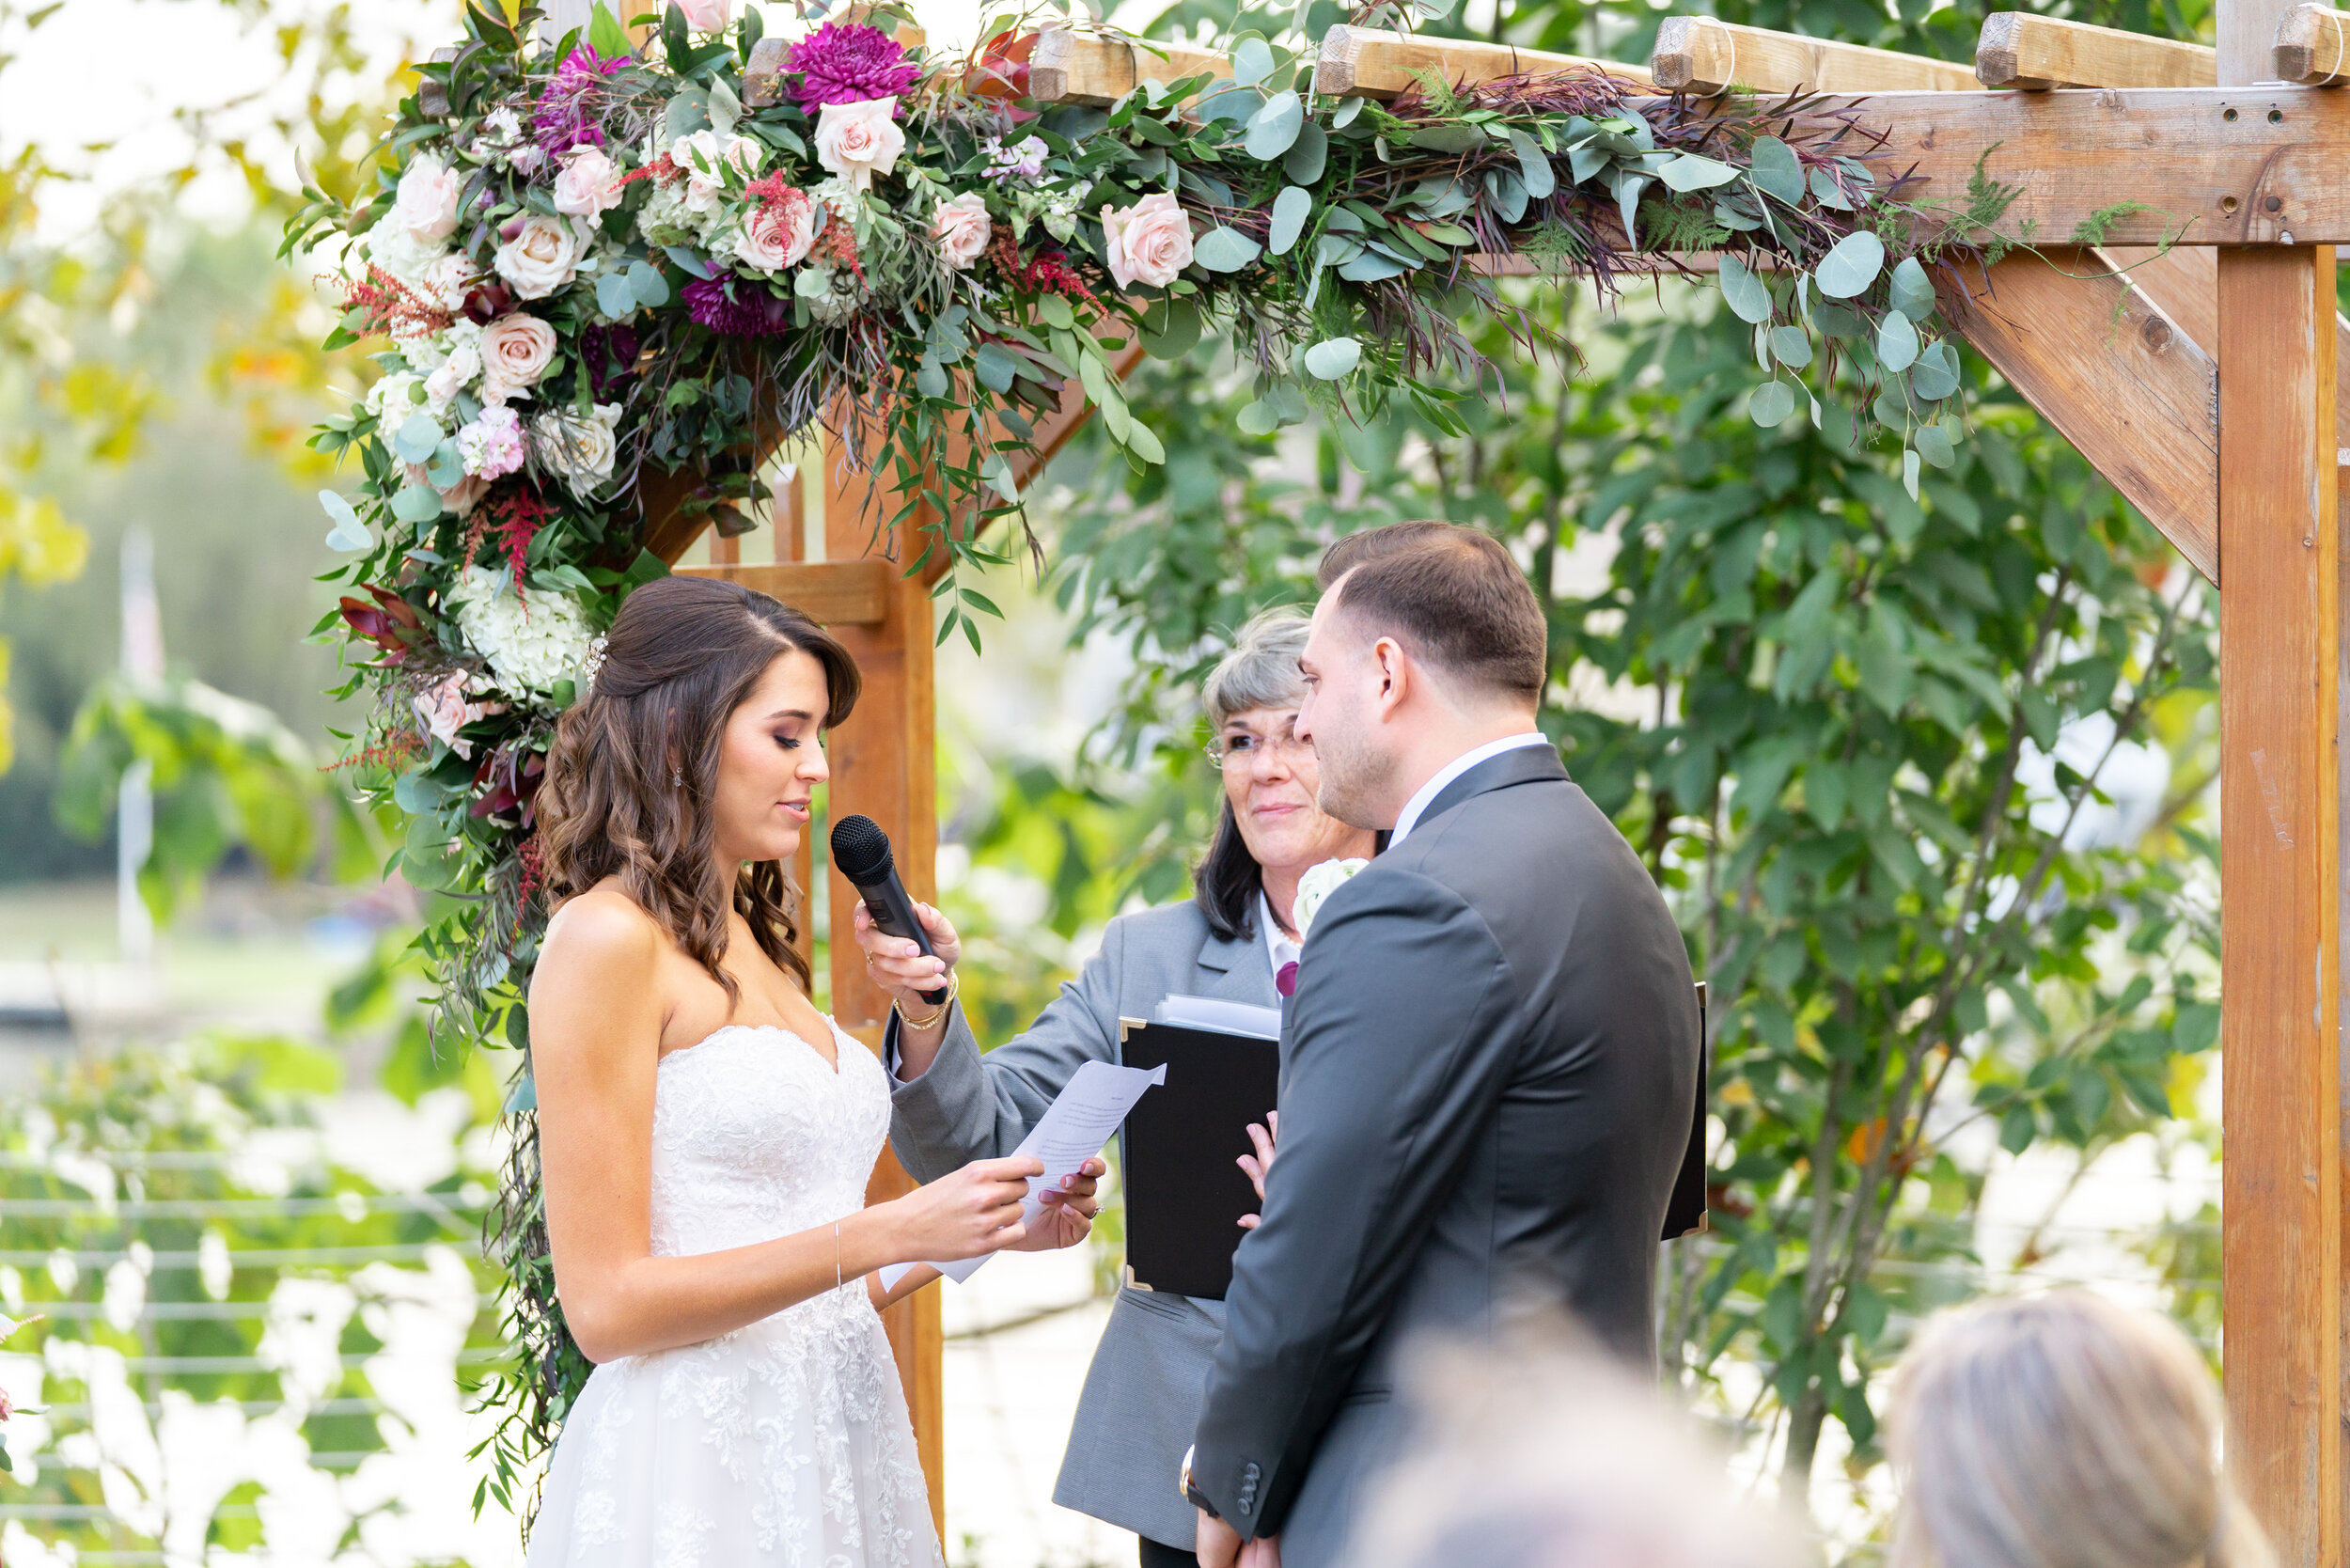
<point>396,396</point>
<point>530,645</point>
<point>399,253</point>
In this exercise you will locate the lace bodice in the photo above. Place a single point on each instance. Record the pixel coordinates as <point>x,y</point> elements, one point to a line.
<point>755,1137</point>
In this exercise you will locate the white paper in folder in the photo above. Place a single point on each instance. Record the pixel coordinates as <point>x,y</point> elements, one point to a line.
<point>1215,1012</point>
<point>1071,1131</point>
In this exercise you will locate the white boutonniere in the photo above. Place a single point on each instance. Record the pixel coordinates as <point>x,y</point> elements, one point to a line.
<point>1317,884</point>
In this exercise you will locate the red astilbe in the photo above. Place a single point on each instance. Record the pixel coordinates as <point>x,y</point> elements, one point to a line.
<point>390,304</point>
<point>397,750</point>
<point>1046,272</point>
<point>514,516</point>
<point>836,245</point>
<point>530,878</point>
<point>662,170</point>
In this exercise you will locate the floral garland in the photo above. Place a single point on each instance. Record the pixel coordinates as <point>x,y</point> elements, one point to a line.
<point>595,260</point>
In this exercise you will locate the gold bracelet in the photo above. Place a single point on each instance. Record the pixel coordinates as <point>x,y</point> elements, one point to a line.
<point>898,1006</point>
<point>836,1254</point>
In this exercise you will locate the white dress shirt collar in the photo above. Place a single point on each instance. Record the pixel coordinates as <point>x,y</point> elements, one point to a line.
<point>1452,770</point>
<point>1278,949</point>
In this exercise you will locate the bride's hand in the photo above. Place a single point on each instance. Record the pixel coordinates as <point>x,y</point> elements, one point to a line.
<point>1068,1211</point>
<point>1262,1135</point>
<point>968,1214</point>
<point>897,963</point>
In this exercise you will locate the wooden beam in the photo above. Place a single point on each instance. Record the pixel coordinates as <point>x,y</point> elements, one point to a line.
<point>2018,49</point>
<point>2113,374</point>
<point>2241,165</point>
<point>1704,54</point>
<point>833,593</point>
<point>2281,891</point>
<point>2313,47</point>
<point>1068,67</point>
<point>1365,62</point>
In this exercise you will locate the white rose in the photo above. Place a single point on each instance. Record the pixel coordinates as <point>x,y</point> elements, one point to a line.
<point>579,451</point>
<point>541,254</point>
<point>426,206</point>
<point>1148,243</point>
<point>963,230</point>
<point>459,350</point>
<point>399,253</point>
<point>515,351</point>
<point>705,156</point>
<point>589,184</point>
<point>1316,885</point>
<point>858,141</point>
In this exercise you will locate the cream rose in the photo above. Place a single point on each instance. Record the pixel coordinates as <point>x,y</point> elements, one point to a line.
<point>589,184</point>
<point>541,254</point>
<point>1148,243</point>
<point>427,204</point>
<point>961,229</point>
<point>580,451</point>
<point>515,351</point>
<point>778,236</point>
<point>705,156</point>
<point>706,16</point>
<point>858,141</point>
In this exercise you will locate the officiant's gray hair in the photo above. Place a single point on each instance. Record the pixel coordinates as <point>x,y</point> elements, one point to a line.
<point>1261,671</point>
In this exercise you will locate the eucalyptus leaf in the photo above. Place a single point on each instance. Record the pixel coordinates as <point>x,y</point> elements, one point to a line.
<point>1225,249</point>
<point>1332,358</point>
<point>417,438</point>
<point>1252,62</point>
<point>1336,250</point>
<point>1289,403</point>
<point>1933,445</point>
<point>1852,266</point>
<point>998,472</point>
<point>1449,139</point>
<point>1628,189</point>
<point>1897,343</point>
<point>646,282</point>
<point>1934,376</point>
<point>1689,172</point>
<point>613,297</point>
<point>1791,346</point>
<point>1774,169</point>
<point>1258,418</point>
<point>1772,402</point>
<point>446,469</point>
<point>1171,328</point>
<point>416,503</point>
<point>930,378</point>
<point>1508,193</point>
<point>1749,300</point>
<point>1913,291</point>
<point>1909,471</point>
<point>1836,321</point>
<point>348,533</point>
<point>995,368</point>
<point>1825,191</point>
<point>1370,267</point>
<point>1290,209</point>
<point>1272,130</point>
<point>1347,110</point>
<point>1533,164</point>
<point>1303,163</point>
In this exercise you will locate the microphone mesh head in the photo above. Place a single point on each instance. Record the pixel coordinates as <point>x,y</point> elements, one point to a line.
<point>860,849</point>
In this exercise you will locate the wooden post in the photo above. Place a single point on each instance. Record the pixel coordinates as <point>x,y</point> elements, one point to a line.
<point>2281,876</point>
<point>884,764</point>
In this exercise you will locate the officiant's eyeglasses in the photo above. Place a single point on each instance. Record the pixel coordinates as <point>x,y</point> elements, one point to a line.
<point>1239,749</point>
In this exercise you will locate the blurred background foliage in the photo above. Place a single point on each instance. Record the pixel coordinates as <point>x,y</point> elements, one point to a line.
<point>1927,782</point>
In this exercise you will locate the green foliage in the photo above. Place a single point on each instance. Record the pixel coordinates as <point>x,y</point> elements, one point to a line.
<point>226,774</point>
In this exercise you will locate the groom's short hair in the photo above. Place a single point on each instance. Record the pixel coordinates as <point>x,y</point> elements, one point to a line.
<point>1453,595</point>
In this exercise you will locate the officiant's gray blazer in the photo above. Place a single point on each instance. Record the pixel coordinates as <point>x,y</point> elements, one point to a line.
<point>1486,1076</point>
<point>1141,1396</point>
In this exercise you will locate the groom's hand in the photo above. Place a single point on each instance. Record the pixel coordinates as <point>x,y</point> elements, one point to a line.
<point>1220,1542</point>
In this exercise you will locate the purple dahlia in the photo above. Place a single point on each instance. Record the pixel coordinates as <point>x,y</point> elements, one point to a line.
<point>574,101</point>
<point>847,62</point>
<point>753,312</point>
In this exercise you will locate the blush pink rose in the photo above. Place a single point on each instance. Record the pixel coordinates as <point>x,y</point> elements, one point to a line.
<point>443,710</point>
<point>426,206</point>
<point>589,184</point>
<point>706,16</point>
<point>515,351</point>
<point>963,230</point>
<point>859,140</point>
<point>779,234</point>
<point>1148,243</point>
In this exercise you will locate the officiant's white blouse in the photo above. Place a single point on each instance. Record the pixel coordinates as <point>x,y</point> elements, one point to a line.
<point>1278,949</point>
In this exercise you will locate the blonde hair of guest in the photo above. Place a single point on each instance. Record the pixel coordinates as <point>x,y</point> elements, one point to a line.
<point>2063,1431</point>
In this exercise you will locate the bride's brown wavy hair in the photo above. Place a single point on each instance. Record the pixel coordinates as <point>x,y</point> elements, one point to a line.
<point>634,763</point>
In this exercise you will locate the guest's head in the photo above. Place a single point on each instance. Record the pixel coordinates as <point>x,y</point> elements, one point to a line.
<point>2062,1431</point>
<point>1270,828</point>
<point>685,771</point>
<point>1540,1452</point>
<point>1427,643</point>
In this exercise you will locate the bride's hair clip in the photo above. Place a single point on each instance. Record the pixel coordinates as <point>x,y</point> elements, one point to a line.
<point>594,661</point>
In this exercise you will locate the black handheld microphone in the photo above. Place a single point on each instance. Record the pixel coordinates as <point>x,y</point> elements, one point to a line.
<point>861,850</point>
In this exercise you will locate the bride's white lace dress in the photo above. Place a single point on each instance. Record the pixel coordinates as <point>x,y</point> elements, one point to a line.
<point>785,1442</point>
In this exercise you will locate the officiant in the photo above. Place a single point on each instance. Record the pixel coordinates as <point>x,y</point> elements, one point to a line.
<point>952,1104</point>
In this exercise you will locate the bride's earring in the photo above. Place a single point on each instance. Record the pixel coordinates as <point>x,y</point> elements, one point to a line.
<point>676,777</point>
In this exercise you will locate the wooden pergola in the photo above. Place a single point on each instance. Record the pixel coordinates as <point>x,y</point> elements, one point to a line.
<point>2200,383</point>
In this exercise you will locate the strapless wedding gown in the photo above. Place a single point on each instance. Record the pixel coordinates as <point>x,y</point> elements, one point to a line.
<point>785,1442</point>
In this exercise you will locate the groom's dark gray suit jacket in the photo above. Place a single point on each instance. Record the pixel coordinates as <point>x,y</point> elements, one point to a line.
<point>1485,1088</point>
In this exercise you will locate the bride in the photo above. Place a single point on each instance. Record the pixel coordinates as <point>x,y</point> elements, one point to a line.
<point>706,1132</point>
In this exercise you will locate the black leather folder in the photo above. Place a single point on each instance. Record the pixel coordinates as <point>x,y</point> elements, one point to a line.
<point>1184,1195</point>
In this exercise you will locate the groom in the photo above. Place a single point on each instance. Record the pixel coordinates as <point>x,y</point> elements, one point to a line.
<point>1487,1070</point>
